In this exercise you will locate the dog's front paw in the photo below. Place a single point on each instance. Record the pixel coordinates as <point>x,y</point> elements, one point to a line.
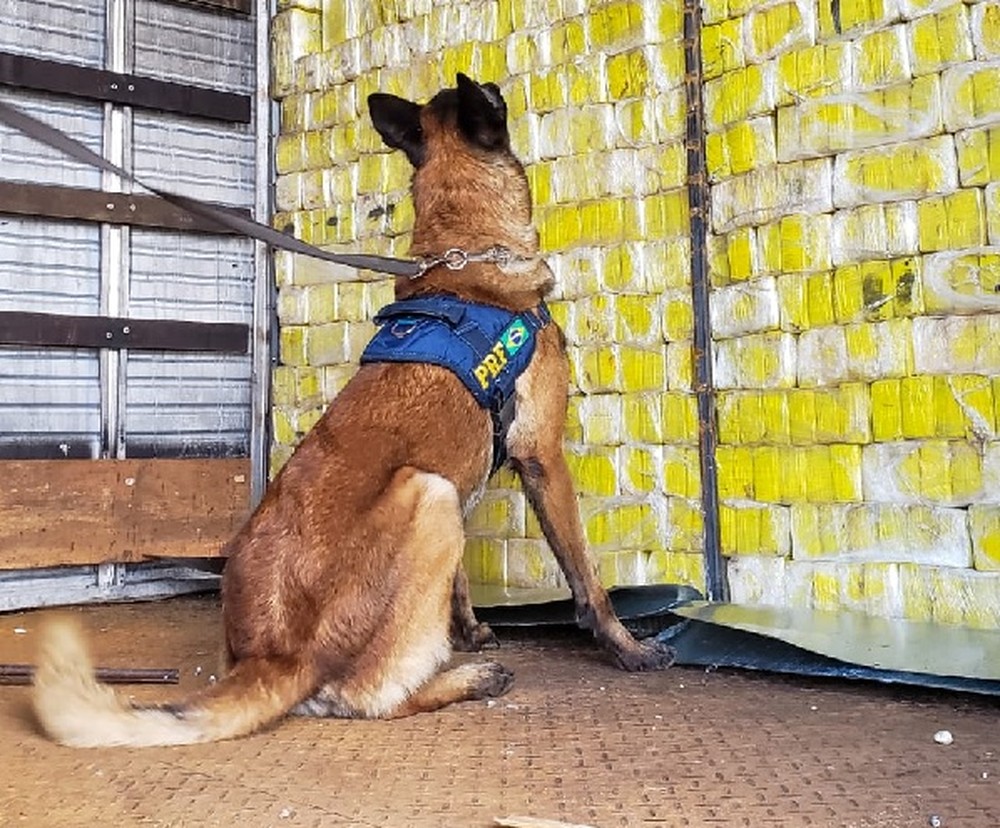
<point>474,638</point>
<point>645,656</point>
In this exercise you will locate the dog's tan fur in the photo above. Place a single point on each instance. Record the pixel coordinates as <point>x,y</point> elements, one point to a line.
<point>343,593</point>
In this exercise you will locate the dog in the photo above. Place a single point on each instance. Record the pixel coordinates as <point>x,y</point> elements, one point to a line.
<point>344,594</point>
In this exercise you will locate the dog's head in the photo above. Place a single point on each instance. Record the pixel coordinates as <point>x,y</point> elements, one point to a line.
<point>474,111</point>
<point>469,190</point>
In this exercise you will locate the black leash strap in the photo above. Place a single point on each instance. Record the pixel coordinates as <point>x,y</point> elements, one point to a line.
<point>62,142</point>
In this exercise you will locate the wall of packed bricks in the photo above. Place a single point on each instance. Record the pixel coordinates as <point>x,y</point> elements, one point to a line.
<point>853,151</point>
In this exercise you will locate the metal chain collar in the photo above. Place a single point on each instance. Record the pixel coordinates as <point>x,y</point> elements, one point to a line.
<point>454,258</point>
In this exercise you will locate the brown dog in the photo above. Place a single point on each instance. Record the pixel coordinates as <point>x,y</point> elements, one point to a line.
<point>342,591</point>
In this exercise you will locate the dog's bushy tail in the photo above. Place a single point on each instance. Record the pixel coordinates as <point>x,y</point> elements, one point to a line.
<point>75,709</point>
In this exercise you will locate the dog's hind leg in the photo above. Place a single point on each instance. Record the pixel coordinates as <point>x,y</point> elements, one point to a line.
<point>401,660</point>
<point>467,682</point>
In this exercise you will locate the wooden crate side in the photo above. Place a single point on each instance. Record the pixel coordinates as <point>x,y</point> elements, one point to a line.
<point>70,512</point>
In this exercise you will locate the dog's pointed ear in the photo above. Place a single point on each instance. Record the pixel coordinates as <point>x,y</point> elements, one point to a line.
<point>398,122</point>
<point>482,113</point>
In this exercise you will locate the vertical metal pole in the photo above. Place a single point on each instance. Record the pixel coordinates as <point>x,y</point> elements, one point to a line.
<point>119,57</point>
<point>264,322</point>
<point>716,584</point>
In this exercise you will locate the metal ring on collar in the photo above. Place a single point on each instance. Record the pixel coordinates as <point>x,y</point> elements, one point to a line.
<point>455,258</point>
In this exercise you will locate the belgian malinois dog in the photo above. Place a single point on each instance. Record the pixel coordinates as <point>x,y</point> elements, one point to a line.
<point>344,593</point>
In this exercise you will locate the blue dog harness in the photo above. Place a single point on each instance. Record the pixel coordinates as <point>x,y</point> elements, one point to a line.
<point>486,347</point>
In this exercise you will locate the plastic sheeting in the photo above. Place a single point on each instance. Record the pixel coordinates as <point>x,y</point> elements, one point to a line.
<point>843,644</point>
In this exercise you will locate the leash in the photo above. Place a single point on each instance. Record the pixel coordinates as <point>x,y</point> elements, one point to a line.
<point>60,141</point>
<point>501,407</point>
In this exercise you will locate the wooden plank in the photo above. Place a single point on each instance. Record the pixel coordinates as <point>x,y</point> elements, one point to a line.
<point>58,202</point>
<point>62,331</point>
<point>72,512</point>
<point>113,87</point>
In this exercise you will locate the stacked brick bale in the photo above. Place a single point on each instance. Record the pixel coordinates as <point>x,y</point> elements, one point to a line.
<point>854,157</point>
<point>856,211</point>
<point>596,100</point>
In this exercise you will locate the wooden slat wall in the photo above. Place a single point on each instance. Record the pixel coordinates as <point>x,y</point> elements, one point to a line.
<point>62,512</point>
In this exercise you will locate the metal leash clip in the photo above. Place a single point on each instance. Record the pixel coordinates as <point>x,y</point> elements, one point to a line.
<point>455,258</point>
<point>499,255</point>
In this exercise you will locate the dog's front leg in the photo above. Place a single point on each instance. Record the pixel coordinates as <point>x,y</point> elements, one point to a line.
<point>549,487</point>
<point>468,635</point>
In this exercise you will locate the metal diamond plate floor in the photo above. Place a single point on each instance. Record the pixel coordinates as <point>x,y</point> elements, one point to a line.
<point>574,741</point>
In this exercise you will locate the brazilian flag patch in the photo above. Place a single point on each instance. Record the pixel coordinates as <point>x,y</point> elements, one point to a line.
<point>514,336</point>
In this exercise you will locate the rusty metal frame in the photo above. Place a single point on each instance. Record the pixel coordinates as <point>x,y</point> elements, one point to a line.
<point>716,585</point>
